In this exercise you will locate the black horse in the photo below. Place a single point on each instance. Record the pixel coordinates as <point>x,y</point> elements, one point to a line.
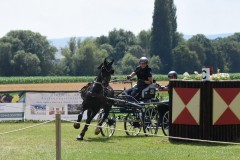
<point>95,97</point>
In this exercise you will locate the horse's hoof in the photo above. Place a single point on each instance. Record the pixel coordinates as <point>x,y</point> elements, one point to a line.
<point>76,125</point>
<point>97,131</point>
<point>79,138</point>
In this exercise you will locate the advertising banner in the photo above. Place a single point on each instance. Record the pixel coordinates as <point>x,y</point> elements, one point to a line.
<point>44,105</point>
<point>12,106</point>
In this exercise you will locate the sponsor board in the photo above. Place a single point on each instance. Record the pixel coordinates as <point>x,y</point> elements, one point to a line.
<point>44,105</point>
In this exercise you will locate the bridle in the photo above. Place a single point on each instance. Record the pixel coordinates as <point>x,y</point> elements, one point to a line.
<point>103,80</point>
<point>108,70</point>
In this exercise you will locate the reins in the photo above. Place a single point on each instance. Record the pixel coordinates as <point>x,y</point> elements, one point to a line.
<point>102,86</point>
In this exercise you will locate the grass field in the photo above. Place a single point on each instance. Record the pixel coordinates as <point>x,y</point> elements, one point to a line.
<point>39,144</point>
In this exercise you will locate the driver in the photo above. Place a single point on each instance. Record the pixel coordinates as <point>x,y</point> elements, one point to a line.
<point>144,77</point>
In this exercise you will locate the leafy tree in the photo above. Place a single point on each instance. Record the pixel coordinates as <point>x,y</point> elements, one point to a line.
<point>26,64</point>
<point>31,43</point>
<point>179,39</point>
<point>120,50</point>
<point>82,59</point>
<point>235,37</point>
<point>67,60</point>
<point>143,39</point>
<point>60,69</point>
<point>109,49</point>
<point>163,35</point>
<point>185,60</point>
<point>100,55</point>
<point>128,64</point>
<point>5,59</point>
<point>72,45</point>
<point>120,40</point>
<point>173,23</point>
<point>155,64</point>
<point>84,62</point>
<point>230,51</point>
<point>205,50</point>
<point>68,53</point>
<point>102,40</point>
<point>136,51</point>
<point>199,49</point>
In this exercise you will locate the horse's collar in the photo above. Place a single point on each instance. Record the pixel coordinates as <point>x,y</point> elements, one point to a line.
<point>100,84</point>
<point>97,82</point>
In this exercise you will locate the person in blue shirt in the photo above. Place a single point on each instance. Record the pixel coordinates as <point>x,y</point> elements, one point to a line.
<point>144,77</point>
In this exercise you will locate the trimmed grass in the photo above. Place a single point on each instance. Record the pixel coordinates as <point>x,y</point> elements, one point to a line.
<point>39,144</point>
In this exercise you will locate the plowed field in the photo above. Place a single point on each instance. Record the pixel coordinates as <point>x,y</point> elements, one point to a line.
<point>59,86</point>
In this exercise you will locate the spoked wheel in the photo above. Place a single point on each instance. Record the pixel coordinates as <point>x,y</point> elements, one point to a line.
<point>133,124</point>
<point>165,123</point>
<point>109,125</point>
<point>151,121</point>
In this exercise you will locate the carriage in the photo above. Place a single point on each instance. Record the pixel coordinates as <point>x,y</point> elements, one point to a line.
<point>141,113</point>
<point>146,112</point>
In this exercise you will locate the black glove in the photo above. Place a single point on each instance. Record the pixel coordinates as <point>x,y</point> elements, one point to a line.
<point>129,77</point>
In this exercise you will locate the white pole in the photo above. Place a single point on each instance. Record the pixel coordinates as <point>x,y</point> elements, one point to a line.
<point>58,136</point>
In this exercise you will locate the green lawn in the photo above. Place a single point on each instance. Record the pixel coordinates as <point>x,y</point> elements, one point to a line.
<point>39,144</point>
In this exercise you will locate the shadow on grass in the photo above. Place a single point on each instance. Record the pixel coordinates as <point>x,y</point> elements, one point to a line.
<point>112,139</point>
<point>198,143</point>
<point>99,139</point>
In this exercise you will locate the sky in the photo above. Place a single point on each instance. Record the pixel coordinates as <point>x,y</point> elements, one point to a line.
<point>83,18</point>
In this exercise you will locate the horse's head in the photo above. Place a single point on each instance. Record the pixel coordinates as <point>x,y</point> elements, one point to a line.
<point>106,71</point>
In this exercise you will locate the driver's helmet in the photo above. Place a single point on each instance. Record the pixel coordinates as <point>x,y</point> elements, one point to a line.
<point>143,60</point>
<point>172,75</point>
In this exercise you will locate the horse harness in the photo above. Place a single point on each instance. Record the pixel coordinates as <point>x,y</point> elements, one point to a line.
<point>84,91</point>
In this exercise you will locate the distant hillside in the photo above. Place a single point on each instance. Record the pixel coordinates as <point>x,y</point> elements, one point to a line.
<point>60,43</point>
<point>211,36</point>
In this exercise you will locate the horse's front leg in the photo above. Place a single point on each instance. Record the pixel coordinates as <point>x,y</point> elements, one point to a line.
<point>100,122</point>
<point>77,125</point>
<point>90,116</point>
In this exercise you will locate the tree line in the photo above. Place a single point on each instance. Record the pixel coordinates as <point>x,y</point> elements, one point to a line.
<point>26,53</point>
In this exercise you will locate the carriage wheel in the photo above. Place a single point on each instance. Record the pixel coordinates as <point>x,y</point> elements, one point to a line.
<point>109,125</point>
<point>133,124</point>
<point>165,123</point>
<point>151,121</point>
